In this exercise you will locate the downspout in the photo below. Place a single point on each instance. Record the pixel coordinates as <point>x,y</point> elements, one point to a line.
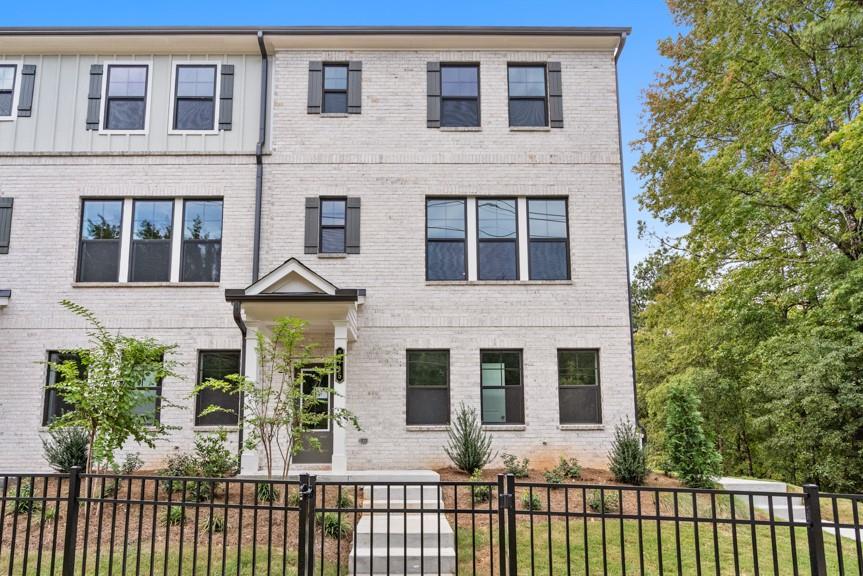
<point>259,157</point>
<point>617,52</point>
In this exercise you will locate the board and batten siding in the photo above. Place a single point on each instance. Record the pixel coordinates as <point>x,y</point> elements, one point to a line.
<point>58,120</point>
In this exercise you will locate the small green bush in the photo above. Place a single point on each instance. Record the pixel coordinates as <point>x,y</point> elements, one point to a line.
<point>214,524</point>
<point>553,476</point>
<point>174,516</point>
<point>530,501</point>
<point>691,453</point>
<point>469,446</point>
<point>332,526</point>
<point>24,502</point>
<point>512,465</point>
<point>65,448</point>
<point>109,487</point>
<point>480,493</point>
<point>566,469</point>
<point>344,501</point>
<point>294,498</point>
<point>267,492</point>
<point>603,503</point>
<point>131,463</point>
<point>50,514</point>
<point>626,459</point>
<point>214,458</point>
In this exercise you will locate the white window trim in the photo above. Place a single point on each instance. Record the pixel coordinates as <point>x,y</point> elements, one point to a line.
<point>104,103</point>
<point>216,106</point>
<point>16,89</point>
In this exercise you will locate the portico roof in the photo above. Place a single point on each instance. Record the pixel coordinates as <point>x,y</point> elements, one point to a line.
<point>293,281</point>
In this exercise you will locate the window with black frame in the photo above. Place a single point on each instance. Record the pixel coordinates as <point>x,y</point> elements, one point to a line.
<point>54,405</point>
<point>202,241</point>
<point>7,89</point>
<point>333,225</point>
<point>459,95</point>
<point>149,399</point>
<point>150,254</point>
<point>99,249</point>
<point>195,97</point>
<point>126,97</point>
<point>579,389</point>
<point>216,365</point>
<point>497,244</point>
<point>548,245</point>
<point>335,89</point>
<point>427,387</point>
<point>445,239</point>
<point>528,106</point>
<point>501,384</point>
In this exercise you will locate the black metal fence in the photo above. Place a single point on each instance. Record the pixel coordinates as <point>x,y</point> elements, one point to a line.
<point>96,524</point>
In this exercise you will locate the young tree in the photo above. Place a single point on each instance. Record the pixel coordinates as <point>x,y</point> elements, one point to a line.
<point>281,407</point>
<point>690,453</point>
<point>469,446</point>
<point>103,388</point>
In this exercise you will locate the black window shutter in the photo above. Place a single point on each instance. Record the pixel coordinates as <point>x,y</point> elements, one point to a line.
<point>352,226</point>
<point>5,224</point>
<point>316,86</point>
<point>94,99</point>
<point>555,95</point>
<point>355,86</point>
<point>313,209</point>
<point>28,82</point>
<point>433,83</point>
<point>226,97</point>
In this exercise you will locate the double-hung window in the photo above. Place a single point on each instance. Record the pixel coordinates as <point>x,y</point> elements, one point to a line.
<point>126,97</point>
<point>150,255</point>
<point>335,89</point>
<point>216,364</point>
<point>54,405</point>
<point>195,100</point>
<point>427,387</point>
<point>202,241</point>
<point>579,393</point>
<point>149,399</point>
<point>7,89</point>
<point>548,247</point>
<point>445,239</point>
<point>332,239</point>
<point>497,245</point>
<point>99,249</point>
<point>502,391</point>
<point>528,105</point>
<point>459,95</point>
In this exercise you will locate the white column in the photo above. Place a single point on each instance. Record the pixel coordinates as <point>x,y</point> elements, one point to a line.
<point>471,239</point>
<point>249,458</point>
<point>523,273</point>
<point>340,439</point>
<point>126,238</point>
<point>176,240</point>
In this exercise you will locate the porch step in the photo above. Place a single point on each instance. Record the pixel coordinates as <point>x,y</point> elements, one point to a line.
<point>401,561</point>
<point>416,529</point>
<point>403,492</point>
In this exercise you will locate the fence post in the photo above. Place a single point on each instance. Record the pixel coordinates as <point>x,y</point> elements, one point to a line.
<point>302,527</point>
<point>311,495</point>
<point>502,505</point>
<point>814,531</point>
<point>70,540</point>
<point>511,540</point>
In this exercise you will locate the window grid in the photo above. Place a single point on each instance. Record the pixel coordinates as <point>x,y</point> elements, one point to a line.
<point>205,372</point>
<point>99,240</point>
<point>428,404</point>
<point>579,386</point>
<point>335,87</point>
<point>126,97</point>
<point>446,233</point>
<point>521,89</point>
<point>202,240</point>
<point>513,392</point>
<point>548,227</point>
<point>463,93</point>
<point>8,74</point>
<point>490,236</point>
<point>198,92</point>
<point>332,225</point>
<point>151,241</point>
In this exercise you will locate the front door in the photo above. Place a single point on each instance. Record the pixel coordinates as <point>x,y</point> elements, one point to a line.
<point>323,454</point>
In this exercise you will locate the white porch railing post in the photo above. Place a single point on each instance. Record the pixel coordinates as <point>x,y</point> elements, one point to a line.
<point>249,458</point>
<point>340,340</point>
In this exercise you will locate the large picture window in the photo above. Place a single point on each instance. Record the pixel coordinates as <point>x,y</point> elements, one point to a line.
<point>497,247</point>
<point>445,239</point>
<point>99,249</point>
<point>548,248</point>
<point>150,256</point>
<point>527,96</point>
<point>459,95</point>
<point>427,387</point>
<point>579,391</point>
<point>216,364</point>
<point>195,97</point>
<point>202,241</point>
<point>126,97</point>
<point>502,390</point>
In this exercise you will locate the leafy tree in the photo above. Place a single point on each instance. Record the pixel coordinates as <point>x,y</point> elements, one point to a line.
<point>103,388</point>
<point>626,459</point>
<point>690,452</point>
<point>281,409</point>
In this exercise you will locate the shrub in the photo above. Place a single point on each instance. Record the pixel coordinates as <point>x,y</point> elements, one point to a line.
<point>519,469</point>
<point>691,454</point>
<point>183,465</point>
<point>267,492</point>
<point>333,526</point>
<point>214,524</point>
<point>530,501</point>
<point>50,514</point>
<point>24,502</point>
<point>109,487</point>
<point>174,516</point>
<point>566,469</point>
<point>294,498</point>
<point>626,459</point>
<point>65,448</point>
<point>603,503</point>
<point>553,476</point>
<point>480,493</point>
<point>343,501</point>
<point>214,458</point>
<point>131,463</point>
<point>469,445</point>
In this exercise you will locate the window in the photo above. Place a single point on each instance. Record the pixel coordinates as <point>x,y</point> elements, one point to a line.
<point>7,89</point>
<point>126,105</point>
<point>333,226</point>
<point>217,364</point>
<point>202,241</point>
<point>55,406</point>
<point>99,251</point>
<point>459,95</point>
<point>335,89</point>
<point>150,257</point>
<point>445,239</point>
<point>497,256</point>
<point>578,378</point>
<point>548,249</point>
<point>195,101</point>
<point>149,399</point>
<point>527,96</point>
<point>427,387</point>
<point>317,385</point>
<point>502,391</point>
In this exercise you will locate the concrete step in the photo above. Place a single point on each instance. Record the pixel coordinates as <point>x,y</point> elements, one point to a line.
<point>374,560</point>
<point>397,492</point>
<point>396,504</point>
<point>413,528</point>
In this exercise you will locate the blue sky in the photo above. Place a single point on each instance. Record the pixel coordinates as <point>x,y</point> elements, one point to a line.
<point>649,20</point>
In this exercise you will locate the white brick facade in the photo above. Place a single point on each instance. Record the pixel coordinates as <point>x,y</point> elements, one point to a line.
<point>387,157</point>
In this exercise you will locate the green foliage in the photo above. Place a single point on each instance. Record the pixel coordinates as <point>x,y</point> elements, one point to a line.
<point>333,526</point>
<point>173,516</point>
<point>480,493</point>
<point>65,448</point>
<point>266,492</point>
<point>49,515</point>
<point>531,501</point>
<point>553,476</point>
<point>512,465</point>
<point>344,501</point>
<point>469,446</point>
<point>294,498</point>
<point>603,503</point>
<point>24,501</point>
<point>566,469</point>
<point>214,524</point>
<point>214,458</point>
<point>103,389</point>
<point>131,463</point>
<point>691,454</point>
<point>626,459</point>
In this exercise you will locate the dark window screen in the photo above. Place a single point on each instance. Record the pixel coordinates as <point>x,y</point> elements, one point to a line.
<point>548,248</point>
<point>217,365</point>
<point>195,104</point>
<point>332,225</point>
<point>445,239</point>
<point>459,95</point>
<point>527,96</point>
<point>498,239</point>
<point>150,257</point>
<point>126,97</point>
<point>202,241</point>
<point>335,89</point>
<point>579,391</point>
<point>427,387</point>
<point>502,390</point>
<point>7,88</point>
<point>99,250</point>
<point>55,406</point>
